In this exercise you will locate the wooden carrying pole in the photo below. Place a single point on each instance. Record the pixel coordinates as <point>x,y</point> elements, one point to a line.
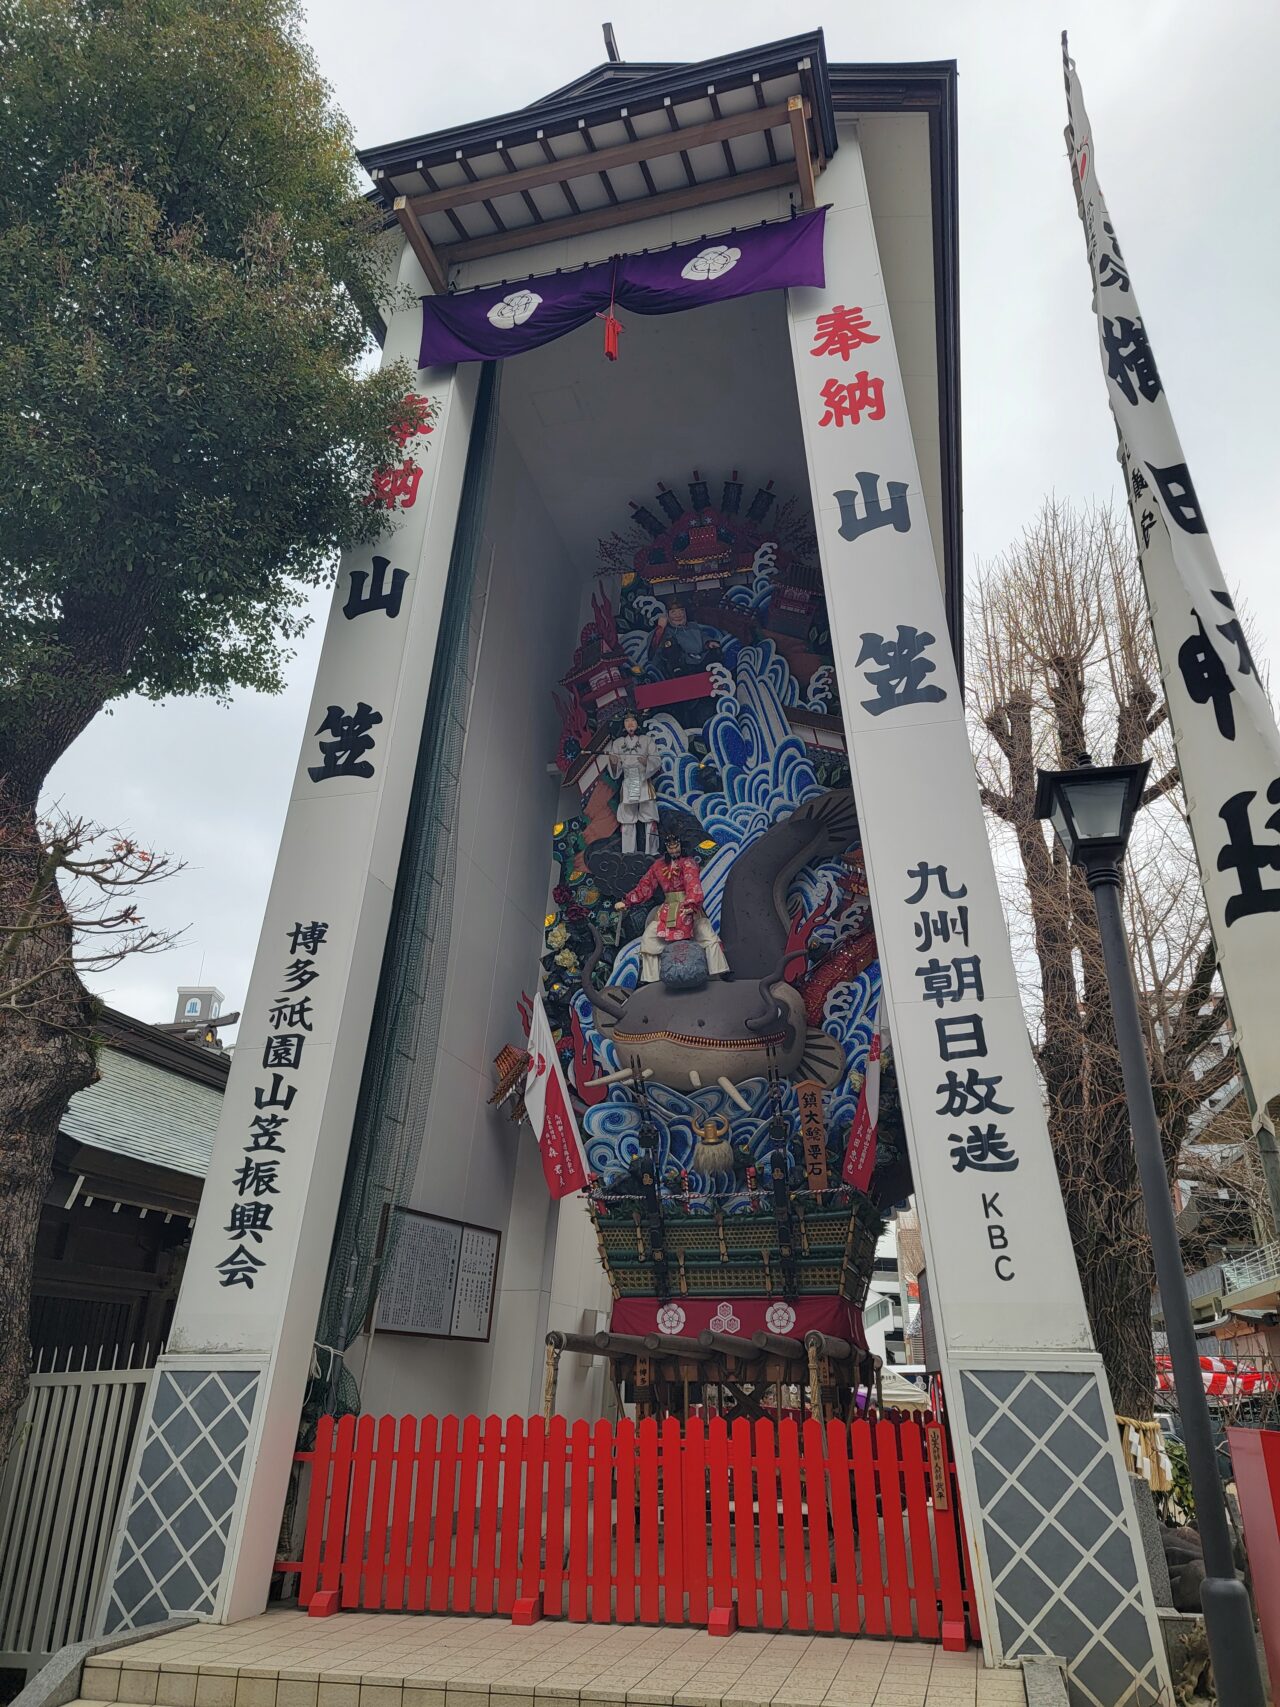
<point>729,1345</point>
<point>778,1346</point>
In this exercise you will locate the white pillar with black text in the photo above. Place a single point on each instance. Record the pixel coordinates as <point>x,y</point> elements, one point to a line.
<point>1050,1513</point>
<point>199,1526</point>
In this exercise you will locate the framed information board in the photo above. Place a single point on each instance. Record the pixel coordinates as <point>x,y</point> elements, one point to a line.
<point>440,1279</point>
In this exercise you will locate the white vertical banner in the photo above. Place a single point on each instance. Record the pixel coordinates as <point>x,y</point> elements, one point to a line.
<point>1013,1334</point>
<point>1224,728</point>
<point>217,1440</point>
<point>1000,1257</point>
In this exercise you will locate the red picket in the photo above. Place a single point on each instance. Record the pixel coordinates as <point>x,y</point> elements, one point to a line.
<point>335,1523</point>
<point>792,1524</point>
<point>744,1524</point>
<point>509,1510</point>
<point>649,1530</point>
<point>895,1540</point>
<point>464,1567</point>
<point>487,1531</point>
<point>375,1565</point>
<point>672,1522</point>
<point>602,1523</point>
<point>442,1532</point>
<point>401,1514</point>
<point>322,1463</point>
<point>804,1527</point>
<point>843,1533</point>
<point>693,1493</point>
<point>718,1499</point>
<point>358,1516</point>
<point>815,1490</point>
<point>531,1543</point>
<point>579,1520</point>
<point>864,1489</point>
<point>950,1585</point>
<point>424,1505</point>
<point>625,1450</point>
<point>770,1550</point>
<point>915,1478</point>
<point>553,1570</point>
<point>970,1585</point>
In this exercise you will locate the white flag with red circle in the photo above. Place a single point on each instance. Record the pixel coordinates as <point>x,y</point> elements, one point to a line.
<point>546,1098</point>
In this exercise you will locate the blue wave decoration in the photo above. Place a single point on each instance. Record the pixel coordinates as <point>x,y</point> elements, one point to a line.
<point>766,774</point>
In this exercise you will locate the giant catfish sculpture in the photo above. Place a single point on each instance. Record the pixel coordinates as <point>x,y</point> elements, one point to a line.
<point>737,1027</point>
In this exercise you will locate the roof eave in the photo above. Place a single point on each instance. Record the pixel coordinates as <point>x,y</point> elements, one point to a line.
<point>563,110</point>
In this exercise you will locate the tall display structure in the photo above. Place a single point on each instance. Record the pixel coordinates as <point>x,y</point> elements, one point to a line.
<point>768,845</point>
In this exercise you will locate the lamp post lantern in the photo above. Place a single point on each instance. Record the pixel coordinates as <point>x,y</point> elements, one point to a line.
<point>1092,809</point>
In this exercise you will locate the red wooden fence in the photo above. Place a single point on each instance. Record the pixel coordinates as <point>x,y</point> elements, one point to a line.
<point>835,1527</point>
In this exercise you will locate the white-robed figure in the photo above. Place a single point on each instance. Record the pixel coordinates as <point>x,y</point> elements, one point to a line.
<point>634,758</point>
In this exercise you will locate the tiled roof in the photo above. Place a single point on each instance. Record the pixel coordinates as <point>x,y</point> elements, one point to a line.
<point>144,1111</point>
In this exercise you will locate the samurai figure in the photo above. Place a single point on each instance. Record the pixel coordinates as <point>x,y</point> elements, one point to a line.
<point>680,918</point>
<point>681,647</point>
<point>634,757</point>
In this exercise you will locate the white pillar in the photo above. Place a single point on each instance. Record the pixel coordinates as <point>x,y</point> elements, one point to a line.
<point>1050,1514</point>
<point>199,1527</point>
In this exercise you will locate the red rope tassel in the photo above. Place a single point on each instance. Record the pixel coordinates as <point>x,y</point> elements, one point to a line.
<point>612,325</point>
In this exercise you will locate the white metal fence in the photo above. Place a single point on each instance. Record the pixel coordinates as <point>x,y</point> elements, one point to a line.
<point>1252,1268</point>
<point>59,1496</point>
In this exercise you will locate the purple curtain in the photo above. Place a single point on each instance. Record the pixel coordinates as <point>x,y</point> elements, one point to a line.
<point>506,319</point>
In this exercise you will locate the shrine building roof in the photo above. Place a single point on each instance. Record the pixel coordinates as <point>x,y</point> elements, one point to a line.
<point>625,142</point>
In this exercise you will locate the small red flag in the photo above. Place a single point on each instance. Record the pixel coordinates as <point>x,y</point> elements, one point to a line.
<point>546,1098</point>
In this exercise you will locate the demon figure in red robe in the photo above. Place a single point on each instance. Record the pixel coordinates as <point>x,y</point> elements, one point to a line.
<point>680,918</point>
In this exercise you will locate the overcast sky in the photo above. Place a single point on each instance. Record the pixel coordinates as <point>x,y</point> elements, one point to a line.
<point>1187,137</point>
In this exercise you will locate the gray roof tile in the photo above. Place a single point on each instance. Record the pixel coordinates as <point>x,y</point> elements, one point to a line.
<point>140,1110</point>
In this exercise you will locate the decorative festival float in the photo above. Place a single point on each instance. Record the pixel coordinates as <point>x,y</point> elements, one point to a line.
<point>710,974</point>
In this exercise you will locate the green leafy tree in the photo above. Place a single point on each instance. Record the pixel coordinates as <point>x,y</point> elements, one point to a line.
<point>187,270</point>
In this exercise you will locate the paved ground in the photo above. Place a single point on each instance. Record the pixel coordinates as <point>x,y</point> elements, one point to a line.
<point>285,1659</point>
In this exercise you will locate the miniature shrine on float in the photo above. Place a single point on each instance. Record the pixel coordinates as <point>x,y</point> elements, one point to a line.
<point>634,946</point>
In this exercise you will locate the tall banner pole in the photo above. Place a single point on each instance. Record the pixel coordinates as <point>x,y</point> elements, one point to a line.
<point>1224,729</point>
<point>199,1523</point>
<point>1048,1505</point>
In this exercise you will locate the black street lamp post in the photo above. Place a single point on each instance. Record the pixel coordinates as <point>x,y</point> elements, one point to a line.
<point>1092,809</point>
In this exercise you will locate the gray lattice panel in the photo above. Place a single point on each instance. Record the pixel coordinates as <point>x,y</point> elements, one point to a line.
<point>173,1545</point>
<point>1062,1561</point>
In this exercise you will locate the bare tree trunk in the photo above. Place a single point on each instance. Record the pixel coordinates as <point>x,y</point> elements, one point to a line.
<point>1117,1293</point>
<point>46,1055</point>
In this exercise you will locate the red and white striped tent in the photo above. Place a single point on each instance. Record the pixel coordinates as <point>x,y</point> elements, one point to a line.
<point>1222,1378</point>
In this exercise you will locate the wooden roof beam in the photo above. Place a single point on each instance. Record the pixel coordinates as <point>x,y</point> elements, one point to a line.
<point>421,245</point>
<point>797,116</point>
<point>588,164</point>
<point>627,213</point>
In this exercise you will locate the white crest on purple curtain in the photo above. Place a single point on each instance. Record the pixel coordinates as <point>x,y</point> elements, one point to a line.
<point>710,263</point>
<point>514,310</point>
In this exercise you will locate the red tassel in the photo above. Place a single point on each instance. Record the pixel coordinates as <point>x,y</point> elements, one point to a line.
<point>612,327</point>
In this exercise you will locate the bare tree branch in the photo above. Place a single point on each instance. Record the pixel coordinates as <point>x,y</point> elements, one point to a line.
<point>85,877</point>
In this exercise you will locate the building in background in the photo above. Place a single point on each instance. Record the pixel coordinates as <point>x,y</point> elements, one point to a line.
<point>883,1316</point>
<point>129,1165</point>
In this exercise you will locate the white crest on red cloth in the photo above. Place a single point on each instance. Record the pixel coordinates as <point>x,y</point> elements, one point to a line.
<point>724,1321</point>
<point>781,1318</point>
<point>671,1318</point>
